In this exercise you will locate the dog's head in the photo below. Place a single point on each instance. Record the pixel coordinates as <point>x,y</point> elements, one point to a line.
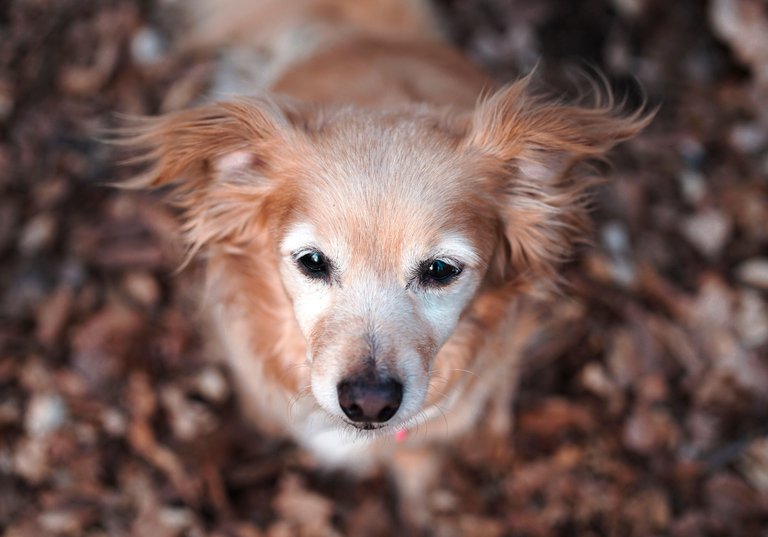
<point>385,224</point>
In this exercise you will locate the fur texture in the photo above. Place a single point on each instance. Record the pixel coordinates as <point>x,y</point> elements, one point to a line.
<point>376,149</point>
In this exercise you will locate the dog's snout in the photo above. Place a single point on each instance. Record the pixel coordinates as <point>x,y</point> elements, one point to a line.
<point>370,399</point>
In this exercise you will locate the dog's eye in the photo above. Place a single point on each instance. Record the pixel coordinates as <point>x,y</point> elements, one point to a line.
<point>439,271</point>
<point>314,264</point>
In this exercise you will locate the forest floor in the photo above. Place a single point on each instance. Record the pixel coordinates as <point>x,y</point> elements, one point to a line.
<point>647,414</point>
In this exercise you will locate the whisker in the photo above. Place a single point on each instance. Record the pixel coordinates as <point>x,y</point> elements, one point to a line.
<point>435,391</point>
<point>291,368</point>
<point>298,365</point>
<point>419,418</point>
<point>304,392</point>
<point>443,415</point>
<point>459,370</point>
<point>440,378</point>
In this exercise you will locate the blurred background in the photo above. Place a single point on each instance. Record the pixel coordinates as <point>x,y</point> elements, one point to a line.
<point>645,411</point>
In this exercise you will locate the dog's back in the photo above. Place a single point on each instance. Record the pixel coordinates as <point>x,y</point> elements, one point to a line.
<point>369,52</point>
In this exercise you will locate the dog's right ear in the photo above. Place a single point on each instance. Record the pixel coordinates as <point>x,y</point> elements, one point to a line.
<point>200,144</point>
<point>216,160</point>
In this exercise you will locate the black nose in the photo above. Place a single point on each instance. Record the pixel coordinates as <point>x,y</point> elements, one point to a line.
<point>370,399</point>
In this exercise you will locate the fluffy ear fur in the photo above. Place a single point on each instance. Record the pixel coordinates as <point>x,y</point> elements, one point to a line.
<point>214,158</point>
<point>535,147</point>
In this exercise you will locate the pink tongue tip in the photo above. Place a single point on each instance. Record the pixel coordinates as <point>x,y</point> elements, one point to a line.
<point>400,435</point>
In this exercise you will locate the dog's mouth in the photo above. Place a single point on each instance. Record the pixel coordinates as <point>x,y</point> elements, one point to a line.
<point>375,430</point>
<point>367,426</point>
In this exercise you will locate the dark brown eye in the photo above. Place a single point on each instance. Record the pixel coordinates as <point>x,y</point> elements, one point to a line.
<point>314,265</point>
<point>440,272</point>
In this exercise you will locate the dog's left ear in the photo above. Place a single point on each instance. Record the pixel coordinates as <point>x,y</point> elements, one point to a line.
<point>532,149</point>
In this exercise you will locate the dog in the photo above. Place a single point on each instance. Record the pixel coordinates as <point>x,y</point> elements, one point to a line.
<point>374,214</point>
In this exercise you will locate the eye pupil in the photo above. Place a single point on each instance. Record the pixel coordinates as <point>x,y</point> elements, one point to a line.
<point>438,269</point>
<point>441,271</point>
<point>315,263</point>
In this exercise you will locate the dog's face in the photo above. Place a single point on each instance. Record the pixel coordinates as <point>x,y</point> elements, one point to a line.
<point>388,238</point>
<point>384,226</point>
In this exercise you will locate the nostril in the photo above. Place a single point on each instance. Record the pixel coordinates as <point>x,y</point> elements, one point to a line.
<point>346,393</point>
<point>354,412</point>
<point>393,399</point>
<point>370,399</point>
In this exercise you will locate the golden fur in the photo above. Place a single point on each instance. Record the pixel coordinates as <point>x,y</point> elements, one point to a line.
<point>378,145</point>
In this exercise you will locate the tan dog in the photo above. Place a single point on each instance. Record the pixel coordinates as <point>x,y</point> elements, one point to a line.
<point>371,223</point>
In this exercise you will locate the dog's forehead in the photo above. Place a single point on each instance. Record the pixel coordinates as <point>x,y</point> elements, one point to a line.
<point>386,165</point>
<point>385,144</point>
<point>384,186</point>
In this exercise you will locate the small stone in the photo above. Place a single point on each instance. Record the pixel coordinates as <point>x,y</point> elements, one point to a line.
<point>37,234</point>
<point>751,319</point>
<point>630,8</point>
<point>693,186</point>
<point>743,26</point>
<point>176,518</point>
<point>594,378</point>
<point>45,414</point>
<point>754,272</point>
<point>623,363</point>
<point>754,464</point>
<point>114,422</point>
<point>615,238</point>
<point>61,522</point>
<point>707,231</point>
<point>30,459</point>
<point>188,419</point>
<point>148,47</point>
<point>748,137</point>
<point>212,385</point>
<point>444,501</point>
<point>142,287</point>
